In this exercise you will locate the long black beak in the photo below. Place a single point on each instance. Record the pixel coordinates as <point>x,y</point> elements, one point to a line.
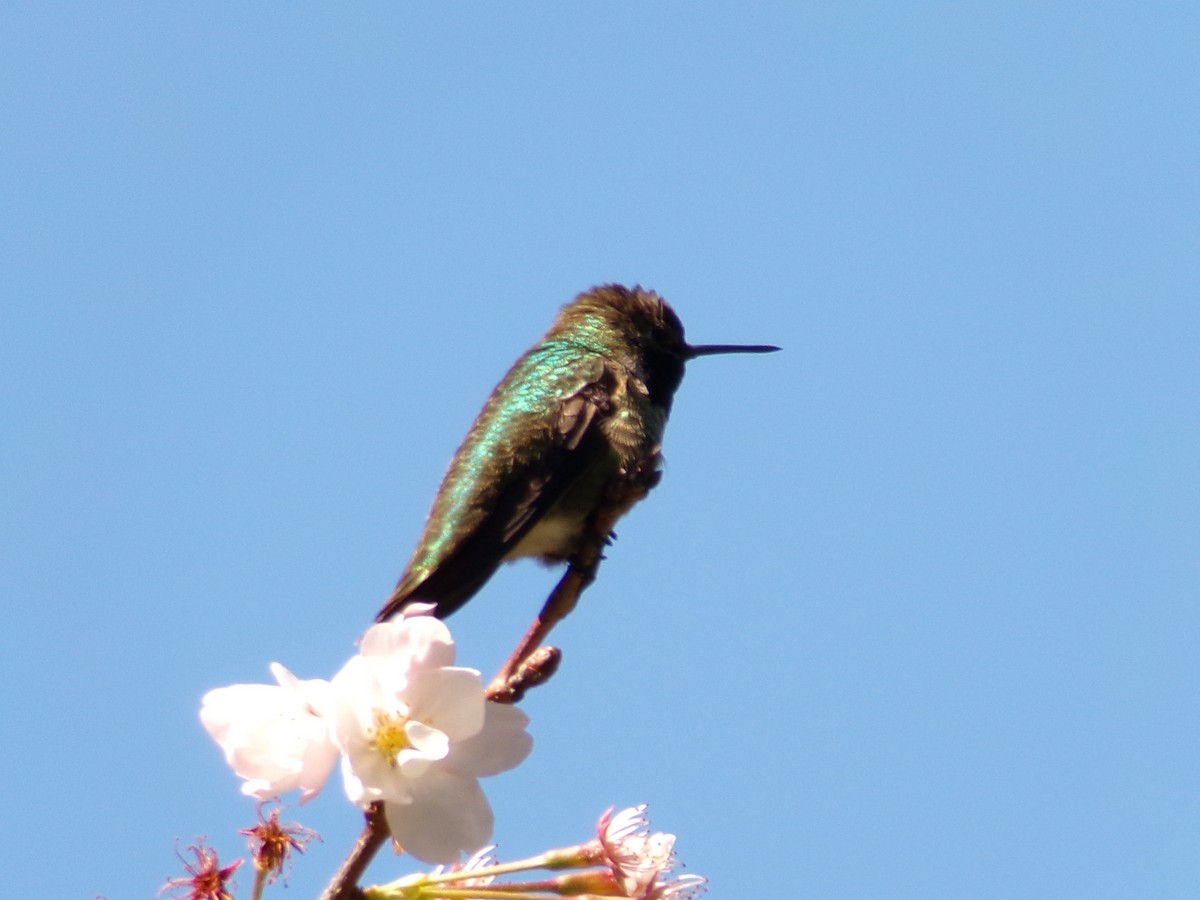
<point>693,350</point>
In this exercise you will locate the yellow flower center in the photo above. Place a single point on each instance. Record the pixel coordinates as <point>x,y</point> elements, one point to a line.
<point>388,736</point>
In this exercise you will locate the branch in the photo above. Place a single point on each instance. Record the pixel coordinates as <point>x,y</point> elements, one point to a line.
<point>344,885</point>
<point>540,665</point>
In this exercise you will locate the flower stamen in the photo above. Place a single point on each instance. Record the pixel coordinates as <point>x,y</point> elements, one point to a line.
<point>388,736</point>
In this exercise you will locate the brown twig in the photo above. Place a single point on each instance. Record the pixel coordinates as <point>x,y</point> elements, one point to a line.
<point>542,663</point>
<point>344,885</point>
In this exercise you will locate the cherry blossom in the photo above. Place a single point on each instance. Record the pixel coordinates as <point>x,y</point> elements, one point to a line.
<point>277,737</point>
<point>641,860</point>
<point>417,734</point>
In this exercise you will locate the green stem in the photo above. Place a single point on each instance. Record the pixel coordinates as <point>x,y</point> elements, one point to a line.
<point>260,883</point>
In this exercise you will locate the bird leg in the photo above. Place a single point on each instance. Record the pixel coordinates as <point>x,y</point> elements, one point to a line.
<point>581,569</point>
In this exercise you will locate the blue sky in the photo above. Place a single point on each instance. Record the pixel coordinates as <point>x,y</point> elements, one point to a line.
<point>914,611</point>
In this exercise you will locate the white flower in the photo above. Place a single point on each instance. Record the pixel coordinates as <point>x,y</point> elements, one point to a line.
<point>640,860</point>
<point>682,887</point>
<point>415,731</point>
<point>417,734</point>
<point>277,737</point>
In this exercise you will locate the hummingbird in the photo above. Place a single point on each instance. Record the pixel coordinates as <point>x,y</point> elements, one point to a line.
<point>566,443</point>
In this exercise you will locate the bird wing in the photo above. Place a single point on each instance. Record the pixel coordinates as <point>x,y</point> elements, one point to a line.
<point>479,516</point>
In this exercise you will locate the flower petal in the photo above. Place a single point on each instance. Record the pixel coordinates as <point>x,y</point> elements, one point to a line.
<point>319,759</point>
<point>449,699</point>
<point>448,815</point>
<point>224,710</point>
<point>355,691</point>
<point>271,735</point>
<point>502,743</point>
<point>399,648</point>
<point>430,742</point>
<point>428,745</point>
<point>355,789</point>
